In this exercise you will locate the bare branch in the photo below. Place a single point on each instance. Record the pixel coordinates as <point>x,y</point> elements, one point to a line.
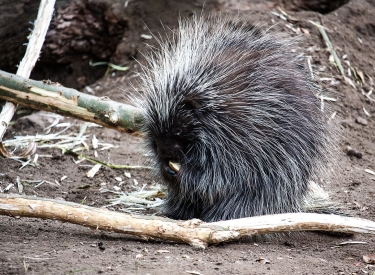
<point>193,232</point>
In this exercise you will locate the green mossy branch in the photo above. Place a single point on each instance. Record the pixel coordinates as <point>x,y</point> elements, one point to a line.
<point>52,97</point>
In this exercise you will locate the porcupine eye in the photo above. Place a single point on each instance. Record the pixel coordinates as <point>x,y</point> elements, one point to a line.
<point>178,131</point>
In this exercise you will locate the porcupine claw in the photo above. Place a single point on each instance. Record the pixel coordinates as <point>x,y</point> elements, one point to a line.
<point>175,166</point>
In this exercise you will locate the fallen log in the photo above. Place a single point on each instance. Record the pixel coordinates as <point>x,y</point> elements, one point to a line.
<point>193,232</point>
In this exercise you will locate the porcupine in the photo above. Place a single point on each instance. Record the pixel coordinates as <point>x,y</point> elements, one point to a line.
<point>232,121</point>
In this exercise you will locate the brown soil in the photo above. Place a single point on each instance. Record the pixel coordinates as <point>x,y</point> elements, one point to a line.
<point>34,246</point>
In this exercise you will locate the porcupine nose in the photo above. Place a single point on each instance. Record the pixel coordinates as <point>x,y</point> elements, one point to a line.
<point>169,148</point>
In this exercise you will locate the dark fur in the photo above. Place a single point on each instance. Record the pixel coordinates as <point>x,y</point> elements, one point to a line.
<point>238,111</point>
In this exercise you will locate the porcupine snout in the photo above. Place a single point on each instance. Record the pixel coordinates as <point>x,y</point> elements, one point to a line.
<point>170,150</point>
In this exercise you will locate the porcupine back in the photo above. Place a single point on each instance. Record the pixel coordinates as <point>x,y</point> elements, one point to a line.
<point>237,110</point>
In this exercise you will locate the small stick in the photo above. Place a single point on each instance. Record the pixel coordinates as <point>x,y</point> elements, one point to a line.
<point>193,232</point>
<point>109,165</point>
<point>31,56</point>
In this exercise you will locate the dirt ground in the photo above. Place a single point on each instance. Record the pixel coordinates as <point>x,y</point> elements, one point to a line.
<point>34,246</point>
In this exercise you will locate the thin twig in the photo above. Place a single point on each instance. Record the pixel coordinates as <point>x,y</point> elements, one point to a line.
<point>109,165</point>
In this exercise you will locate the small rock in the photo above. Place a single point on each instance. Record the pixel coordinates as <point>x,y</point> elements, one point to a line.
<point>355,183</point>
<point>101,246</point>
<point>263,261</point>
<point>369,259</point>
<point>352,152</point>
<point>361,120</point>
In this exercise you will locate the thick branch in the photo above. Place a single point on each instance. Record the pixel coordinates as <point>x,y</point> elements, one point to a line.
<point>193,232</point>
<point>55,98</point>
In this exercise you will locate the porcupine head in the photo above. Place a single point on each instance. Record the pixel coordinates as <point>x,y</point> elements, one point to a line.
<point>232,122</point>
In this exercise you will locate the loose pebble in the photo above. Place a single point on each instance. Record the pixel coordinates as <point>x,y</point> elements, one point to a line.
<point>361,120</point>
<point>352,152</point>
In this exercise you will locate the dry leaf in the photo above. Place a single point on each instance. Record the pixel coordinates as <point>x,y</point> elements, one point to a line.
<point>19,184</point>
<point>117,188</point>
<point>93,170</point>
<point>94,142</point>
<point>305,31</point>
<point>360,74</point>
<point>349,81</point>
